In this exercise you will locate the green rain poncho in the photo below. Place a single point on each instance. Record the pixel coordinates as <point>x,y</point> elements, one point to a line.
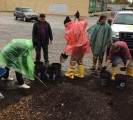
<point>99,37</point>
<point>17,55</point>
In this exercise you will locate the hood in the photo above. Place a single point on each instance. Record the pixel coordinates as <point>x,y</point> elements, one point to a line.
<point>69,25</point>
<point>122,28</point>
<point>30,13</point>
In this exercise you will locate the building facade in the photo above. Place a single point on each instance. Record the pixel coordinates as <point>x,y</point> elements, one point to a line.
<point>62,7</point>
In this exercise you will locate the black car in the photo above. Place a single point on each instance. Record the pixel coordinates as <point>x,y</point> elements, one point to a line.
<point>25,13</point>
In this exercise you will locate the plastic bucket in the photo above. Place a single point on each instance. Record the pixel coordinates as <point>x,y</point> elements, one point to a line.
<point>51,73</point>
<point>2,72</point>
<point>105,78</point>
<point>120,81</point>
<point>58,66</point>
<point>40,70</point>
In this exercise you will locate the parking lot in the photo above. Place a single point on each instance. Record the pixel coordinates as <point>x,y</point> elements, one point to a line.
<point>11,29</point>
<point>67,99</point>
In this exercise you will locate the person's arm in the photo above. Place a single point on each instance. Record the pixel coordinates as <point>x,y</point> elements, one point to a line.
<point>110,35</point>
<point>50,33</point>
<point>111,55</point>
<point>34,31</point>
<point>127,55</point>
<point>127,63</point>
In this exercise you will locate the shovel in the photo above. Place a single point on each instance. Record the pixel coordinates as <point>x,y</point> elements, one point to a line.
<point>63,57</point>
<point>40,80</point>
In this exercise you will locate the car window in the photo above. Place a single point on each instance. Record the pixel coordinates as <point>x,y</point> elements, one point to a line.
<point>124,19</point>
<point>17,9</point>
<point>27,10</point>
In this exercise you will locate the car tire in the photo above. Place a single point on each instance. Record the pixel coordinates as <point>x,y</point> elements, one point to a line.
<point>24,19</point>
<point>36,19</point>
<point>16,17</point>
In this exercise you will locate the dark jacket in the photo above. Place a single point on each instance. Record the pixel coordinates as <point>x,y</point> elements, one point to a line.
<point>36,32</point>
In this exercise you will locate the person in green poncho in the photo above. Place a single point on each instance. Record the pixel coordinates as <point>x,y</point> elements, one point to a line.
<point>17,56</point>
<point>100,35</point>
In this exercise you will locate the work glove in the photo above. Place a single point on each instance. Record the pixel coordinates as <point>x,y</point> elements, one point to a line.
<point>123,68</point>
<point>77,14</point>
<point>103,69</point>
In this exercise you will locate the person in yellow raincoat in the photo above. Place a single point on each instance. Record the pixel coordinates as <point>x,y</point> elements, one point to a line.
<point>77,45</point>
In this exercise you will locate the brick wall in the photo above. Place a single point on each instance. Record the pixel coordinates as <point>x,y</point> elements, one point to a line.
<point>42,6</point>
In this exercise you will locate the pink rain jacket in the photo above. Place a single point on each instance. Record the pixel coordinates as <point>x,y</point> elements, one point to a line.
<point>76,38</point>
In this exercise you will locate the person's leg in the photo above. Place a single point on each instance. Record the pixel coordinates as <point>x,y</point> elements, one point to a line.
<point>101,57</point>
<point>20,80</point>
<point>114,66</point>
<point>80,68</point>
<point>94,62</point>
<point>38,53</point>
<point>124,59</point>
<point>45,53</point>
<point>115,61</point>
<point>6,75</point>
<point>74,58</point>
<point>70,72</point>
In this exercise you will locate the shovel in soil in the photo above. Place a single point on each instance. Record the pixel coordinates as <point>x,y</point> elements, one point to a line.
<point>40,80</point>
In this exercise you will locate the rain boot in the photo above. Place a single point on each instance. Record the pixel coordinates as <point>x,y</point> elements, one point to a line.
<point>129,71</point>
<point>80,71</point>
<point>114,70</point>
<point>70,73</point>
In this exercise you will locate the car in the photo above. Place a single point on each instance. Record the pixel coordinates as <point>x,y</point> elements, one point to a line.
<point>122,27</point>
<point>26,13</point>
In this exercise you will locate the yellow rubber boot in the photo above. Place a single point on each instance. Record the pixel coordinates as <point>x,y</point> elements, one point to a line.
<point>70,73</point>
<point>80,71</point>
<point>129,71</point>
<point>114,70</point>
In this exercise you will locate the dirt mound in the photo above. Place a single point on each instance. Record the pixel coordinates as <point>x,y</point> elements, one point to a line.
<point>68,100</point>
<point>73,103</point>
<point>63,102</point>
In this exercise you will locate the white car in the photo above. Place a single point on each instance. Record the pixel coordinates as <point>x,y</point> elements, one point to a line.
<point>122,28</point>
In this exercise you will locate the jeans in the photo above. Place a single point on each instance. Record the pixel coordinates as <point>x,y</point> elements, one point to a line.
<point>18,76</point>
<point>45,52</point>
<point>115,60</point>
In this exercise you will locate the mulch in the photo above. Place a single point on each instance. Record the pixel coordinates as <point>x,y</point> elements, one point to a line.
<point>79,99</point>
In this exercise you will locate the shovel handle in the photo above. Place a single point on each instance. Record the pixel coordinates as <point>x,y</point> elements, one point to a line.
<point>40,80</point>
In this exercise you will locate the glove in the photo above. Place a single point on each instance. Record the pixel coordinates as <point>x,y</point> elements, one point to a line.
<point>77,14</point>
<point>103,69</point>
<point>123,68</point>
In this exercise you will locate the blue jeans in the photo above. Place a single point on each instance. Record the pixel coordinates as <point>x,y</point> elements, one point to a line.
<point>115,60</point>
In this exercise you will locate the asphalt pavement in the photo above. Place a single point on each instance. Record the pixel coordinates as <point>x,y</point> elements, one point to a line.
<point>11,29</point>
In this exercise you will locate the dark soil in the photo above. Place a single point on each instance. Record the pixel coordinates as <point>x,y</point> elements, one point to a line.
<point>67,100</point>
